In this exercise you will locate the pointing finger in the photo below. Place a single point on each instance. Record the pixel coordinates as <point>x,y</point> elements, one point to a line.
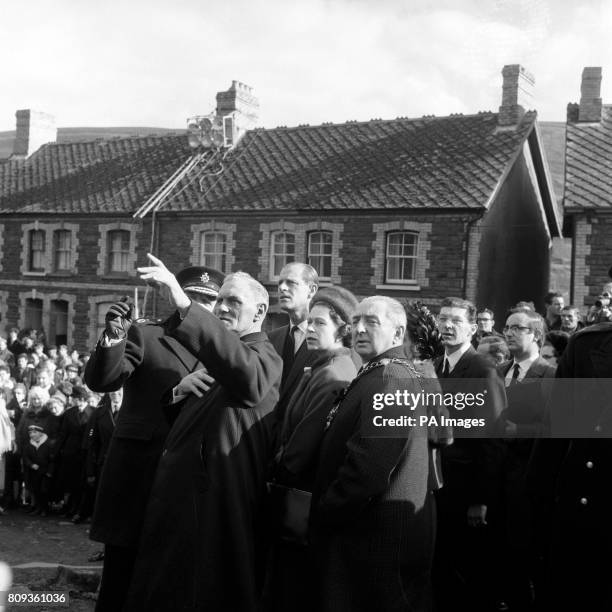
<point>154,260</point>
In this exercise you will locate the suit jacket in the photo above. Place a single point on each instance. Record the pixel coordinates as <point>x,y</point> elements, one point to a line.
<point>527,401</point>
<point>479,458</point>
<point>199,546</point>
<point>303,358</point>
<point>147,363</point>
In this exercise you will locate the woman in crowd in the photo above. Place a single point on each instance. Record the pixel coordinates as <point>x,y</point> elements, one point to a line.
<point>328,334</point>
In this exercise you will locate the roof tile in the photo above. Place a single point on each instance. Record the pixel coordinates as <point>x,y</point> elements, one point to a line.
<point>429,163</point>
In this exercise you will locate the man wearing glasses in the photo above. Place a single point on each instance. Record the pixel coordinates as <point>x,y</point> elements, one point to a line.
<point>527,378</point>
<point>470,467</point>
<point>486,322</point>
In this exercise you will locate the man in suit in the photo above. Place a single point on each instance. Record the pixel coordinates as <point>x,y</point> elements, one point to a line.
<point>372,522</point>
<point>146,360</point>
<point>200,542</point>
<point>527,378</point>
<point>486,327</point>
<point>470,467</point>
<point>297,284</point>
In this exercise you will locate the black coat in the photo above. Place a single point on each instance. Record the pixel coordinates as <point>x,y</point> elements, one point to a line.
<point>69,451</point>
<point>571,477</point>
<point>100,430</point>
<point>199,548</point>
<point>145,365</point>
<point>372,513</point>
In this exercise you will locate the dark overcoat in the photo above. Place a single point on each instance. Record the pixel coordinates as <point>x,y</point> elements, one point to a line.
<point>69,450</point>
<point>306,413</point>
<point>145,365</point>
<point>372,514</point>
<point>199,548</point>
<point>575,474</point>
<point>99,434</point>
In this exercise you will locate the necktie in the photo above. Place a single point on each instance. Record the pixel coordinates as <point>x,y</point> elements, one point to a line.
<point>288,352</point>
<point>515,374</point>
<point>446,371</point>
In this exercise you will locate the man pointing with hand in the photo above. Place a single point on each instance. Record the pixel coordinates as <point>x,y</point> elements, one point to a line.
<point>145,360</point>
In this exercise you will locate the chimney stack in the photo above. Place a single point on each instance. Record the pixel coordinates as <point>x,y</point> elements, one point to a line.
<point>34,129</point>
<point>517,94</point>
<point>243,108</point>
<point>239,97</point>
<point>590,96</point>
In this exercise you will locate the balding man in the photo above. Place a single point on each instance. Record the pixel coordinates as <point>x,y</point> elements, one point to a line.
<point>372,515</point>
<point>198,549</point>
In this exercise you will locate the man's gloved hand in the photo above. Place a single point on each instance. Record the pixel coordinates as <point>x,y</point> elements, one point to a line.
<point>118,319</point>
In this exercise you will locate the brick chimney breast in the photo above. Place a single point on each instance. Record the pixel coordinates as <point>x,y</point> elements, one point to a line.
<point>242,107</point>
<point>517,94</point>
<point>239,97</point>
<point>590,95</point>
<point>34,129</point>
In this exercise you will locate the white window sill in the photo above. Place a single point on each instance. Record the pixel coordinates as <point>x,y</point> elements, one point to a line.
<point>399,287</point>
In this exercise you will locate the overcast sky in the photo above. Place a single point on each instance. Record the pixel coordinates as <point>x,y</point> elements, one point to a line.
<point>154,63</point>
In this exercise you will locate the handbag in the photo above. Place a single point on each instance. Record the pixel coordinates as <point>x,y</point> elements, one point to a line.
<point>291,508</point>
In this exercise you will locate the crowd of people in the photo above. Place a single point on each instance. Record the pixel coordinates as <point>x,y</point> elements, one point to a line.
<point>241,475</point>
<point>53,443</point>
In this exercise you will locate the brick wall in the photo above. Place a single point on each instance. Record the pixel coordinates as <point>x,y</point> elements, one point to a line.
<point>443,244</point>
<point>597,231</point>
<point>582,252</point>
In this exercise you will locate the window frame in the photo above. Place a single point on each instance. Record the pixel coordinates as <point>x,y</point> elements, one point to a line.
<point>57,251</point>
<point>42,252</point>
<point>213,254</point>
<point>388,279</point>
<point>123,252</point>
<point>273,254</point>
<point>327,256</point>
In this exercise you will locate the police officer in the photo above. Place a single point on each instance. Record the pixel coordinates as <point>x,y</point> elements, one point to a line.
<point>145,360</point>
<point>573,476</point>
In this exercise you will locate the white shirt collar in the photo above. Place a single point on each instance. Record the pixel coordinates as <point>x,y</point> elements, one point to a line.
<point>299,335</point>
<point>523,365</point>
<point>454,358</point>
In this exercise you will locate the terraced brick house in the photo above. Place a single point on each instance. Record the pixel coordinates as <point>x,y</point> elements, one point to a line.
<point>411,208</point>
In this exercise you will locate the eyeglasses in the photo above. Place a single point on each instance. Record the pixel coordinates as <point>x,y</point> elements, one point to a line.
<point>454,320</point>
<point>515,329</point>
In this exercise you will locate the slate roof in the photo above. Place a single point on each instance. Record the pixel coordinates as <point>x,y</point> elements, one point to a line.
<point>588,164</point>
<point>101,176</point>
<point>428,163</point>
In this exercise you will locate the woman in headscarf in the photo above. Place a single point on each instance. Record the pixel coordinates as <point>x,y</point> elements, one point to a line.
<point>329,335</point>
